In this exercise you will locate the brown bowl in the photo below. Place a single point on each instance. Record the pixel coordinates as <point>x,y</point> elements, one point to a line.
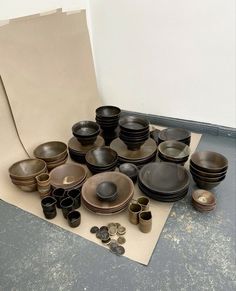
<point>208,161</point>
<point>27,188</point>
<point>125,190</point>
<point>101,157</point>
<point>67,176</point>
<point>175,150</point>
<point>206,174</point>
<point>203,197</point>
<point>206,179</point>
<point>205,185</point>
<point>51,151</point>
<point>133,124</point>
<point>27,169</point>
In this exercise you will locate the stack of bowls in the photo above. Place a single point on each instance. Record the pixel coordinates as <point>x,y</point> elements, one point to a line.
<point>108,117</point>
<point>134,131</point>
<point>165,182</point>
<point>54,153</point>
<point>208,169</point>
<point>124,193</point>
<point>23,173</point>
<point>173,151</point>
<point>203,201</point>
<point>101,159</point>
<point>86,132</point>
<point>178,134</point>
<point>68,176</point>
<point>78,151</point>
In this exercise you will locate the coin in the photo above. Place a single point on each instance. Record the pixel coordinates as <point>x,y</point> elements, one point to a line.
<point>112,247</point>
<point>120,250</point>
<point>104,235</point>
<point>111,224</point>
<point>94,229</point>
<point>112,230</point>
<point>104,228</point>
<point>121,240</point>
<point>121,230</point>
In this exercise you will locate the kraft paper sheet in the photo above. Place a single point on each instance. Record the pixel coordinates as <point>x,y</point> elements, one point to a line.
<point>70,97</point>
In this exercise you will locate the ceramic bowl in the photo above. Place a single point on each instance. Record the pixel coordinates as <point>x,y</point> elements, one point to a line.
<point>108,112</point>
<point>86,132</point>
<point>107,191</point>
<point>130,170</point>
<point>51,151</point>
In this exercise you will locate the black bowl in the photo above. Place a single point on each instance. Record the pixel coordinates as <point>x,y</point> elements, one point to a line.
<point>108,112</point>
<point>86,132</point>
<point>107,191</point>
<point>206,174</point>
<point>129,170</point>
<point>133,124</point>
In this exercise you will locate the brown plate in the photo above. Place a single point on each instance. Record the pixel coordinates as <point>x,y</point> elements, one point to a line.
<point>164,177</point>
<point>208,161</point>
<point>146,150</point>
<point>76,146</point>
<point>67,175</point>
<point>125,189</point>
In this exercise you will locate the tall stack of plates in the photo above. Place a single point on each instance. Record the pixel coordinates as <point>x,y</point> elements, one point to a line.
<point>165,182</point>
<point>146,153</point>
<point>125,191</point>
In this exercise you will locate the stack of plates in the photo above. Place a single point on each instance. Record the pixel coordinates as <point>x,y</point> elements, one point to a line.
<point>178,134</point>
<point>203,201</point>
<point>165,182</point>
<point>78,151</point>
<point>146,153</point>
<point>68,176</point>
<point>125,190</point>
<point>208,169</point>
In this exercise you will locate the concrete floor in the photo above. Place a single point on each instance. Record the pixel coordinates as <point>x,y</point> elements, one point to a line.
<point>196,251</point>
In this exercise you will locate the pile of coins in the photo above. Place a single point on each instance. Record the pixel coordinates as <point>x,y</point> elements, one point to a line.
<point>111,235</point>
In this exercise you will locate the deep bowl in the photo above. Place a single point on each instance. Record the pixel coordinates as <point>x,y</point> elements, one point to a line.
<point>203,197</point>
<point>178,134</point>
<point>107,191</point>
<point>27,169</point>
<point>108,112</point>
<point>206,174</point>
<point>133,123</point>
<point>51,151</point>
<point>205,185</point>
<point>67,176</point>
<point>175,150</point>
<point>129,170</point>
<point>208,161</point>
<point>86,132</point>
<point>101,157</point>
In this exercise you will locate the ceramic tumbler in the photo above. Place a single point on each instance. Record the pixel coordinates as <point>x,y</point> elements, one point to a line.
<point>43,185</point>
<point>67,205</point>
<point>49,207</point>
<point>74,218</point>
<point>59,195</point>
<point>134,210</point>
<point>75,195</point>
<point>144,203</point>
<point>145,221</point>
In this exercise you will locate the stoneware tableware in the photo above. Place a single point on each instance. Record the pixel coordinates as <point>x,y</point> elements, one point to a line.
<point>144,202</point>
<point>130,170</point>
<point>134,210</point>
<point>67,205</point>
<point>51,151</point>
<point>86,132</point>
<point>107,191</point>
<point>49,207</point>
<point>74,218</point>
<point>145,221</point>
<point>76,196</point>
<point>59,195</point>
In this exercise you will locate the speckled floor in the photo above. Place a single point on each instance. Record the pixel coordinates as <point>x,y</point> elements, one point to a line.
<point>195,252</point>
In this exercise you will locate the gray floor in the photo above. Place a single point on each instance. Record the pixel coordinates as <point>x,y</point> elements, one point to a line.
<point>195,252</point>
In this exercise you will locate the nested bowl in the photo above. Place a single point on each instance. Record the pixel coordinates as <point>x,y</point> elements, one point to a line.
<point>107,191</point>
<point>129,170</point>
<point>174,150</point>
<point>178,134</point>
<point>27,169</point>
<point>210,162</point>
<point>133,124</point>
<point>206,174</point>
<point>51,151</point>
<point>86,132</point>
<point>108,112</point>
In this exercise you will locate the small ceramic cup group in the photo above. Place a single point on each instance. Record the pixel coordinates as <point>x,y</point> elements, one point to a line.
<point>139,214</point>
<point>67,201</point>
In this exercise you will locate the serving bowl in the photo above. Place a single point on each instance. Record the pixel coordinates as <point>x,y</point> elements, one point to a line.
<point>130,170</point>
<point>108,112</point>
<point>51,151</point>
<point>107,191</point>
<point>178,134</point>
<point>86,132</point>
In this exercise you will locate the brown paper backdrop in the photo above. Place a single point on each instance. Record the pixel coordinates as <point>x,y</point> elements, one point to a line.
<point>46,100</point>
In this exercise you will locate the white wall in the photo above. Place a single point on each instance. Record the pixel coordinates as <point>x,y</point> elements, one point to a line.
<point>166,57</point>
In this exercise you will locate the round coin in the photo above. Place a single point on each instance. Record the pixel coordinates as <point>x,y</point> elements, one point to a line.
<point>111,224</point>
<point>121,230</point>
<point>104,228</point>
<point>112,230</point>
<point>120,250</point>
<point>104,235</point>
<point>113,247</point>
<point>117,224</point>
<point>94,229</point>
<point>121,240</point>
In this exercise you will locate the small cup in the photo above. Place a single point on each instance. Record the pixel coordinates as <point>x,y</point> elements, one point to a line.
<point>67,205</point>
<point>144,203</point>
<point>145,221</point>
<point>134,210</point>
<point>49,207</point>
<point>43,179</point>
<point>75,195</point>
<point>74,218</point>
<point>59,194</point>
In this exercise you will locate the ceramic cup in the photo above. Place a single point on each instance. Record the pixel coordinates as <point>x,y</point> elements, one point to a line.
<point>43,185</point>
<point>59,195</point>
<point>49,207</point>
<point>75,195</point>
<point>144,203</point>
<point>134,210</point>
<point>67,205</point>
<point>145,221</point>
<point>74,218</point>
